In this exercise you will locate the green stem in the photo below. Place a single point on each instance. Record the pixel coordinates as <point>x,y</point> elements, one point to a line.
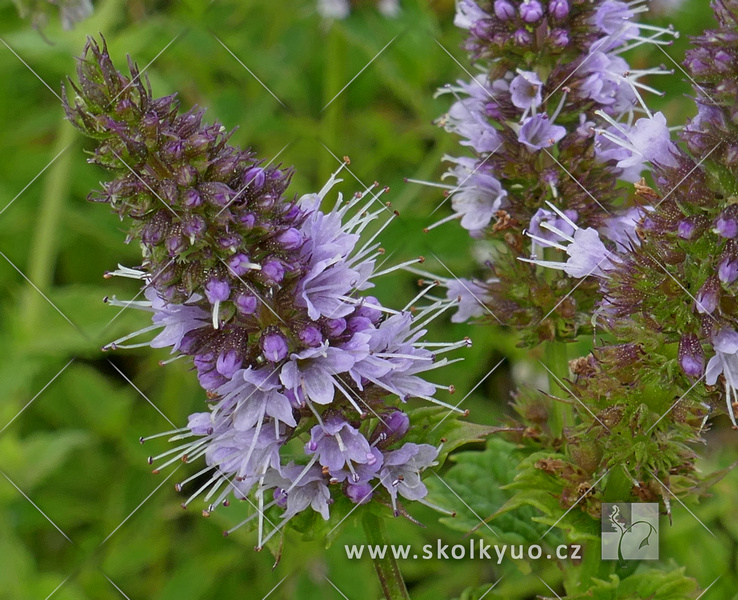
<point>393,585</point>
<point>558,364</point>
<point>42,255</point>
<point>333,81</point>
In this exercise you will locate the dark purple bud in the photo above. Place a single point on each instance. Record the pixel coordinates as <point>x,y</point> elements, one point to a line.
<point>204,362</point>
<point>558,8</point>
<point>359,493</point>
<point>194,226</point>
<point>224,166</point>
<point>559,37</point>
<point>522,37</point>
<point>691,356</point>
<point>217,290</point>
<point>396,424</point>
<point>504,11</point>
<point>173,150</point>
<point>272,272</point>
<point>274,346</point>
<point>728,270</point>
<point>200,141</point>
<point>292,213</point>
<point>186,176</point>
<point>689,228</point>
<point>230,241</point>
<point>254,178</point>
<point>190,341</point>
<point>359,324</point>
<point>228,363</point>
<point>280,497</point>
<point>709,295</point>
<point>216,193</point>
<point>192,198</point>
<point>248,220</point>
<point>175,244</point>
<point>211,380</point>
<point>153,232</point>
<point>335,327</point>
<point>311,336</point>
<point>368,310</point>
<point>240,264</point>
<point>726,224</point>
<point>531,11</point>
<point>246,304</point>
<point>290,239</point>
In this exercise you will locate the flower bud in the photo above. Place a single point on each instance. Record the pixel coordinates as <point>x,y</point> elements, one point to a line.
<point>359,493</point>
<point>531,11</point>
<point>274,346</point>
<point>504,11</point>
<point>691,356</point>
<point>709,295</point>
<point>558,8</point>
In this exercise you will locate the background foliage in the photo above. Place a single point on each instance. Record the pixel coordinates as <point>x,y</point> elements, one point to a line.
<point>70,416</point>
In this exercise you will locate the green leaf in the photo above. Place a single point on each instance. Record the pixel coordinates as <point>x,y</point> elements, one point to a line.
<point>651,584</point>
<point>436,425</point>
<point>479,478</point>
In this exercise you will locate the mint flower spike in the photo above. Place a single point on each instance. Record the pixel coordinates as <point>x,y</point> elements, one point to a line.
<point>266,295</point>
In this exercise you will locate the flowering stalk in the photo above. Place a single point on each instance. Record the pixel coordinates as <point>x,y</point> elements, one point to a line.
<point>264,294</point>
<point>556,122</point>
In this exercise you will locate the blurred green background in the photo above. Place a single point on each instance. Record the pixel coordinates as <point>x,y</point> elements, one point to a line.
<point>81,515</point>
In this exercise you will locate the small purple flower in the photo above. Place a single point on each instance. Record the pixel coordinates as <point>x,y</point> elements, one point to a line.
<point>531,11</point>
<point>708,296</point>
<point>275,347</point>
<point>726,225</point>
<point>538,132</point>
<point>725,362</point>
<point>691,356</point>
<point>359,493</point>
<point>478,196</point>
<point>468,13</point>
<point>401,472</point>
<point>544,218</point>
<point>246,303</point>
<point>240,264</point>
<point>504,11</point>
<point>525,90</point>
<point>217,290</point>
<point>228,363</point>
<point>558,8</point>
<point>471,297</point>
<point>728,269</point>
<point>290,238</point>
<point>337,445</point>
<point>311,336</point>
<point>272,272</point>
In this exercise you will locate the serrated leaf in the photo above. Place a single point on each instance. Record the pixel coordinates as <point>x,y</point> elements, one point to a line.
<point>479,478</point>
<point>651,584</point>
<point>435,425</point>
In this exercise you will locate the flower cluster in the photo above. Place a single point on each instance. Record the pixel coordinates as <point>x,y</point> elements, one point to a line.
<point>263,293</point>
<point>552,120</point>
<point>560,136</point>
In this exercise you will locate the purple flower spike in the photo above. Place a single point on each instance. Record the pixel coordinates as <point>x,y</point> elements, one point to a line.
<point>531,11</point>
<point>504,11</point>
<point>538,132</point>
<point>274,346</point>
<point>691,356</point>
